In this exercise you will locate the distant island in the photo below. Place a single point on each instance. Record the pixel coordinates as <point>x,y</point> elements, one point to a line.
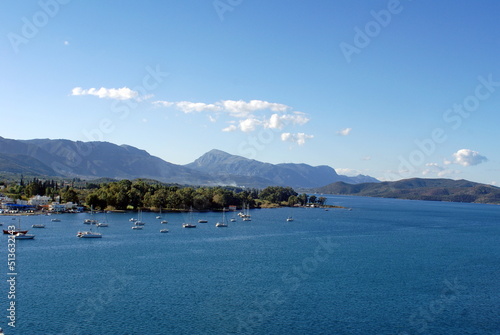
<point>420,189</point>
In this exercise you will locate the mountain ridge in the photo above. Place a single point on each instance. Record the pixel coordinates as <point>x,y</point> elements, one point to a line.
<point>91,160</point>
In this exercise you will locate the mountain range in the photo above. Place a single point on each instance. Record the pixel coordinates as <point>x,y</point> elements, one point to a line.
<point>91,160</point>
<point>420,189</point>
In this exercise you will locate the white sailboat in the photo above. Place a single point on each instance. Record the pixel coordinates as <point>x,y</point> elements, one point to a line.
<point>189,224</point>
<point>22,235</point>
<point>223,223</point>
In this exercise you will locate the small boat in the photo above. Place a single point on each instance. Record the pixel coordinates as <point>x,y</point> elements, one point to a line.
<point>15,231</point>
<point>90,221</point>
<point>163,230</point>
<point>88,234</point>
<point>158,217</point>
<point>164,221</point>
<point>21,236</point>
<point>223,223</point>
<point>232,220</point>
<point>55,220</point>
<point>202,221</point>
<point>189,225</point>
<point>102,224</point>
<point>139,223</point>
<point>137,227</point>
<point>288,219</point>
<point>38,226</point>
<point>132,219</point>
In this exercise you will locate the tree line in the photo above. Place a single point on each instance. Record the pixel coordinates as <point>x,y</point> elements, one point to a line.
<point>126,194</point>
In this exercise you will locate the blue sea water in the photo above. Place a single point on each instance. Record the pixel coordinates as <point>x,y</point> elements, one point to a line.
<point>388,266</point>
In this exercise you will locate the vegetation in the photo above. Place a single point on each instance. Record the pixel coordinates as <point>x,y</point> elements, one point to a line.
<point>420,189</point>
<point>150,194</point>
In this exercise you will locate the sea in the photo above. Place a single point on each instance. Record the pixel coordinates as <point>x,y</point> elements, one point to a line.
<point>377,266</point>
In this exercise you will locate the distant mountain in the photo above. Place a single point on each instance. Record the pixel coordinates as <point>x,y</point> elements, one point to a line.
<point>22,164</point>
<point>91,160</point>
<point>420,189</point>
<point>98,159</point>
<point>224,166</point>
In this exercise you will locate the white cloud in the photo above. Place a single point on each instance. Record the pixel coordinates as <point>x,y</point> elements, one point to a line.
<point>344,132</point>
<point>230,128</point>
<point>467,157</point>
<point>249,124</point>
<point>66,42</point>
<point>277,121</point>
<point>367,158</point>
<point>190,107</point>
<point>163,103</point>
<point>123,93</point>
<point>241,109</point>
<point>347,172</point>
<point>299,138</point>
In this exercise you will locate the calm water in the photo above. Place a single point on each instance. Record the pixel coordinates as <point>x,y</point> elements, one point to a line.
<point>386,267</point>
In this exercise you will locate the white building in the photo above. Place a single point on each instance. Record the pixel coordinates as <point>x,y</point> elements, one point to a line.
<point>39,200</point>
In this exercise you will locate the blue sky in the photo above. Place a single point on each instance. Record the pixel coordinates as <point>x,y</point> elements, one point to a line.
<point>392,89</point>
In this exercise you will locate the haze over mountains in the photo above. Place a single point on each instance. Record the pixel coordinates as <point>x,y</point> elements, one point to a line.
<point>91,160</point>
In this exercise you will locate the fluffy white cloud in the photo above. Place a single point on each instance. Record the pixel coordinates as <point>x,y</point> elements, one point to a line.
<point>241,109</point>
<point>190,107</point>
<point>467,157</point>
<point>230,128</point>
<point>123,93</point>
<point>277,121</point>
<point>344,132</point>
<point>299,138</point>
<point>249,124</point>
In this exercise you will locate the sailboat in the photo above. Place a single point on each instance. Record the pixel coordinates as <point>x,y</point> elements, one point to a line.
<point>90,221</point>
<point>22,236</point>
<point>15,231</point>
<point>139,222</point>
<point>89,233</point>
<point>189,224</point>
<point>246,216</point>
<point>223,223</point>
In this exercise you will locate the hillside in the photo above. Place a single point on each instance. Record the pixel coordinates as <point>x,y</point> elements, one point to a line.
<point>420,189</point>
<point>91,160</point>
<point>220,164</point>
